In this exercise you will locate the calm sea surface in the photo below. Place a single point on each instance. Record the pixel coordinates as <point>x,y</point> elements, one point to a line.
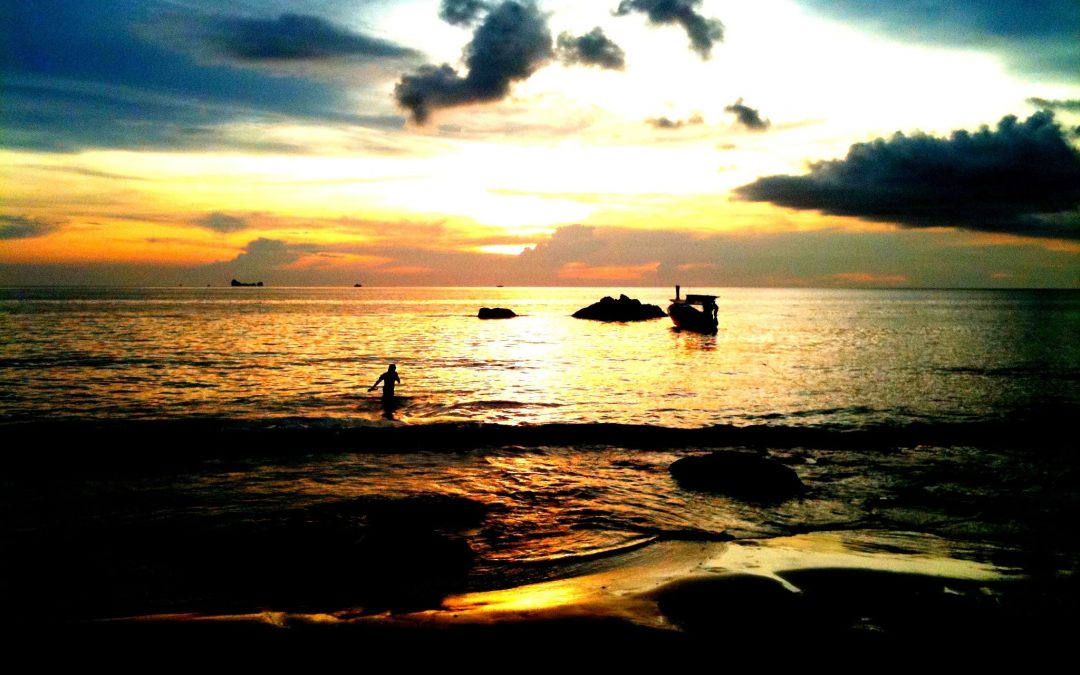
<point>188,536</point>
<point>781,356</point>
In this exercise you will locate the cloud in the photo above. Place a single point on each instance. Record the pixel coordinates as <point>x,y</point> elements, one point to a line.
<point>703,32</point>
<point>1035,37</point>
<point>288,37</point>
<point>511,43</point>
<point>582,272</point>
<point>220,222</point>
<point>567,244</point>
<point>870,279</point>
<point>747,116</point>
<point>21,227</point>
<point>1069,105</point>
<point>408,270</point>
<point>927,258</point>
<point>268,260</point>
<point>667,123</point>
<point>462,12</point>
<point>107,75</point>
<point>263,253</point>
<point>591,49</point>
<point>1021,178</point>
<point>82,171</point>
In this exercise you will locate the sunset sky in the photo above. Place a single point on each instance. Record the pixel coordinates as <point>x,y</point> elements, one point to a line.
<point>831,143</point>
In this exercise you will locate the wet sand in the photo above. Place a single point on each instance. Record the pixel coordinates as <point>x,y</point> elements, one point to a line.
<point>265,543</point>
<point>821,595</point>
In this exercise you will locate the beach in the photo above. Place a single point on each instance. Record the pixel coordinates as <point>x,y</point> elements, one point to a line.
<point>253,540</point>
<point>500,507</point>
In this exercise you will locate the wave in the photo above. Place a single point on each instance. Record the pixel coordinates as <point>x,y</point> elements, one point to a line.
<point>88,442</point>
<point>499,405</point>
<point>87,360</point>
<point>1041,372</point>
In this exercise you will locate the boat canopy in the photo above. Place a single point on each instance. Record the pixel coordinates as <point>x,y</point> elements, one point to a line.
<point>692,299</point>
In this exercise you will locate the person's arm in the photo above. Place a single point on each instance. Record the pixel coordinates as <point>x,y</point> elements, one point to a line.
<point>377,382</point>
<point>397,377</point>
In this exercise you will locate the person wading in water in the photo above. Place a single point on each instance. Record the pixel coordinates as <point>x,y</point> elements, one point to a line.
<point>388,379</point>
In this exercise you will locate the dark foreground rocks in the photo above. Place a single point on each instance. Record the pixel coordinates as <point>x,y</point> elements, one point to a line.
<point>740,474</point>
<point>623,309</point>
<point>495,313</point>
<point>369,553</point>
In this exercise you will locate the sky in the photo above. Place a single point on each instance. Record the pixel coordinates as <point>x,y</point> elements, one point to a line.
<point>793,143</point>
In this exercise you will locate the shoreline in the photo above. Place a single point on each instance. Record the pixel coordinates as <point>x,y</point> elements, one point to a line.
<point>859,590</point>
<point>155,524</point>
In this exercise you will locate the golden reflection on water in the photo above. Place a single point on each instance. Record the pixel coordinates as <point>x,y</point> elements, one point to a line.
<point>279,352</point>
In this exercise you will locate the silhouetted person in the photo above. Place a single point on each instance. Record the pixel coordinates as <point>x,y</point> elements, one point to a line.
<point>388,379</point>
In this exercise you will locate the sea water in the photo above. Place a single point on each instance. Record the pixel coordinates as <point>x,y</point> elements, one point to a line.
<point>900,364</point>
<point>781,356</point>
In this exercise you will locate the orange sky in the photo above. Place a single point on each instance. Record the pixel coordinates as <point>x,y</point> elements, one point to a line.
<point>219,157</point>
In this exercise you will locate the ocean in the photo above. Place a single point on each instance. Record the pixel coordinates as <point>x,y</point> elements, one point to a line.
<point>782,357</point>
<point>216,450</point>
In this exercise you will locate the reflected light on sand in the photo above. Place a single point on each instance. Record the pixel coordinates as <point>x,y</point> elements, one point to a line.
<point>908,553</point>
<point>528,598</point>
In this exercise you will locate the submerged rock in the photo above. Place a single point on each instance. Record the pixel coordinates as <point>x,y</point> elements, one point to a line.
<point>496,313</point>
<point>422,510</point>
<point>740,474</point>
<point>623,309</point>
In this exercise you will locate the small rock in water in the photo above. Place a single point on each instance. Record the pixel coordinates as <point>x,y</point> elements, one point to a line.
<point>623,309</point>
<point>739,474</point>
<point>496,313</point>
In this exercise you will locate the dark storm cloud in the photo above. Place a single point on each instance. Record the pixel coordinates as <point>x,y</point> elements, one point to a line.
<point>462,12</point>
<point>703,32</point>
<point>221,222</point>
<point>1068,105</point>
<point>1035,37</point>
<point>668,123</point>
<point>747,116</point>
<point>21,227</point>
<point>511,43</point>
<point>1020,178</point>
<point>289,37</point>
<point>79,75</point>
<point>591,49</point>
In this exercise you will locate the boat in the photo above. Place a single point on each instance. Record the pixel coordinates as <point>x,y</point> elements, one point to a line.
<point>685,314</point>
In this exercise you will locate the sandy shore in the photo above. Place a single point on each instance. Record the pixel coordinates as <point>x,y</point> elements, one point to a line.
<point>775,599</point>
